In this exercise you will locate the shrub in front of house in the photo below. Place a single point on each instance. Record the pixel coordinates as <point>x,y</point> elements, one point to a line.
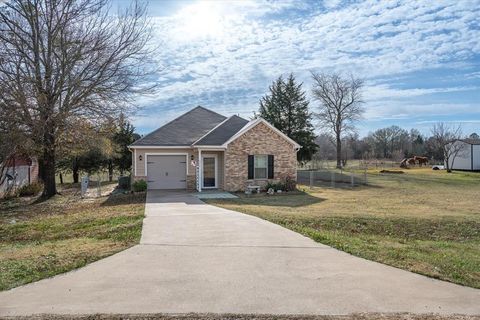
<point>289,184</point>
<point>139,186</point>
<point>275,186</point>
<point>29,190</point>
<point>286,184</point>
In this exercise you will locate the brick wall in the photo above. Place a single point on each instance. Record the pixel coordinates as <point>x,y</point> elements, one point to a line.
<point>259,140</point>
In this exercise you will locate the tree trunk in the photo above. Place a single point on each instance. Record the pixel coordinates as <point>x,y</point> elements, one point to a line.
<point>339,152</point>
<point>75,170</point>
<point>49,186</point>
<point>75,175</point>
<point>61,178</point>
<point>110,170</point>
<point>446,160</point>
<point>449,167</point>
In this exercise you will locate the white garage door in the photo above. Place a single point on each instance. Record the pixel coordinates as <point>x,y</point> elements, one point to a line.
<point>166,172</point>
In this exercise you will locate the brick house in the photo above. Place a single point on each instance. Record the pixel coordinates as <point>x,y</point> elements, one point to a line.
<point>202,150</point>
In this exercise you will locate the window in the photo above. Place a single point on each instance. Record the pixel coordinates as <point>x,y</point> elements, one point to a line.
<point>261,165</point>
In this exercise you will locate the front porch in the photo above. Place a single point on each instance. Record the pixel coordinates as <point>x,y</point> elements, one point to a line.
<point>210,168</point>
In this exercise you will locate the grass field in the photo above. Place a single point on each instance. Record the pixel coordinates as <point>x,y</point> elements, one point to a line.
<point>424,221</point>
<point>42,239</point>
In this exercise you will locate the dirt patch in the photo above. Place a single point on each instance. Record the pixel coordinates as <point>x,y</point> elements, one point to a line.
<point>392,171</point>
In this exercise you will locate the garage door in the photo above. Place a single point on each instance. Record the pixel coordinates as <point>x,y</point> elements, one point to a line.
<point>166,172</point>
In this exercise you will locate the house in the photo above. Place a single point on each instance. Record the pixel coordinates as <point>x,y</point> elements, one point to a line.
<point>202,149</point>
<point>18,170</point>
<point>468,158</point>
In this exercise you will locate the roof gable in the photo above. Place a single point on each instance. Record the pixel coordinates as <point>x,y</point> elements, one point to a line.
<point>252,124</point>
<point>184,130</point>
<point>471,141</point>
<point>224,131</point>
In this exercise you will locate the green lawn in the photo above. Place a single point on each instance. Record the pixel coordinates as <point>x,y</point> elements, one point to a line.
<point>424,221</point>
<point>39,240</point>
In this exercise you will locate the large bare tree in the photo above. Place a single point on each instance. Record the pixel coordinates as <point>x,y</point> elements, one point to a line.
<point>446,138</point>
<point>340,105</point>
<point>61,59</point>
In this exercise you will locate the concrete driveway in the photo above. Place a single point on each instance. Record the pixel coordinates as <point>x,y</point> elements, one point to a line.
<point>195,257</point>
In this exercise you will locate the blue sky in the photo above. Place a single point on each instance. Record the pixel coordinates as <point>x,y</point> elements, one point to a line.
<point>420,59</point>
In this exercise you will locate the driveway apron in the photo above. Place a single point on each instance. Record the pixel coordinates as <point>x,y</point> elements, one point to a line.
<point>195,257</point>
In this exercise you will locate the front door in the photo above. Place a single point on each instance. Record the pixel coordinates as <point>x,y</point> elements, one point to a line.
<point>209,171</point>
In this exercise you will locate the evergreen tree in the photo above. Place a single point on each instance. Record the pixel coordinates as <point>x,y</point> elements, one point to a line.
<point>286,108</point>
<point>123,137</point>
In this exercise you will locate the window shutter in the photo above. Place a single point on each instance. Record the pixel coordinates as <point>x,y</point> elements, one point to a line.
<point>270,166</point>
<point>250,166</point>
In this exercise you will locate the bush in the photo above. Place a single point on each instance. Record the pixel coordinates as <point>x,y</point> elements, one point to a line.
<point>29,190</point>
<point>275,186</point>
<point>290,184</point>
<point>286,184</point>
<point>124,182</point>
<point>139,186</point>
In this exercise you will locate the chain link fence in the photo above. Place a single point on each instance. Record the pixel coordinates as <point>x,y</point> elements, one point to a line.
<point>356,173</point>
<point>332,178</point>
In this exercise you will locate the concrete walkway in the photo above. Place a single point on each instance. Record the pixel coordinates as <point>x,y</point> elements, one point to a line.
<point>195,257</point>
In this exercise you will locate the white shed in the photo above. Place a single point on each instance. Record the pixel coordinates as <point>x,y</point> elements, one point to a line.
<point>469,156</point>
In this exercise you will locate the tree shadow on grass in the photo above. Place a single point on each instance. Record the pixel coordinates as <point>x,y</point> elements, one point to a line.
<point>116,199</point>
<point>286,199</point>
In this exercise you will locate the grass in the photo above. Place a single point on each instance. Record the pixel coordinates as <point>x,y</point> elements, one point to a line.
<point>424,221</point>
<point>42,239</point>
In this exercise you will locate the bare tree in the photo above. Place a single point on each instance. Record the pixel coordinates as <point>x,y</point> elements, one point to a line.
<point>61,59</point>
<point>340,105</point>
<point>447,138</point>
<point>389,140</point>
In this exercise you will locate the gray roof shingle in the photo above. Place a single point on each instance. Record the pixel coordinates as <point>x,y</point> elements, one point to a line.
<point>184,130</point>
<point>471,141</point>
<point>223,132</point>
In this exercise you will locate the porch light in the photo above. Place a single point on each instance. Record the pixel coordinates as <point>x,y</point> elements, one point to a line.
<point>192,157</point>
<point>140,157</point>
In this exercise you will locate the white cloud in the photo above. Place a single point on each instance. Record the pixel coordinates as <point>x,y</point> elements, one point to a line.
<point>384,91</point>
<point>226,58</point>
<point>394,109</point>
<point>448,121</point>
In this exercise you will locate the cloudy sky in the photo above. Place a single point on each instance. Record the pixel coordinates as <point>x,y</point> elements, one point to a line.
<point>420,59</point>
